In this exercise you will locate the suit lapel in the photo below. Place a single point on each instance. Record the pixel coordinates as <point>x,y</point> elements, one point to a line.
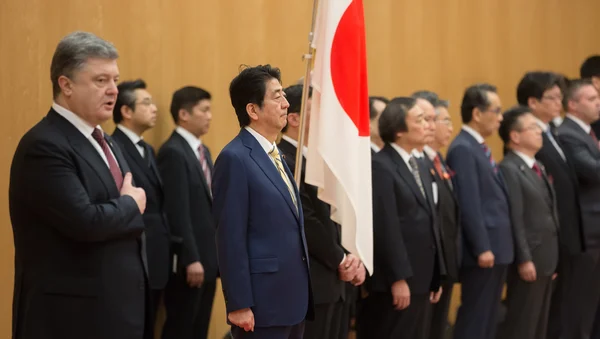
<point>495,172</point>
<point>84,148</point>
<point>258,154</point>
<point>529,174</point>
<point>585,136</point>
<point>191,155</point>
<point>131,149</point>
<point>406,175</point>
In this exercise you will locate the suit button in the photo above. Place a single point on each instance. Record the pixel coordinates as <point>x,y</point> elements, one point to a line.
<point>303,258</point>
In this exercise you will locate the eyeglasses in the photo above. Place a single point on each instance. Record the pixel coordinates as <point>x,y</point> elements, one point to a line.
<point>496,111</point>
<point>553,97</point>
<point>145,102</point>
<point>446,121</point>
<point>533,127</point>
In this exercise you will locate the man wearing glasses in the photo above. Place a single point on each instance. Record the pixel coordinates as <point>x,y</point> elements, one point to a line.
<point>487,245</point>
<point>541,92</point>
<point>135,113</point>
<point>447,209</point>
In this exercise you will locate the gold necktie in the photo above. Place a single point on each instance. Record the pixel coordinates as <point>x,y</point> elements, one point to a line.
<point>275,155</point>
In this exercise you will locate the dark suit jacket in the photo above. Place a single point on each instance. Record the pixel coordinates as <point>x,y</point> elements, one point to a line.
<point>583,153</point>
<point>145,173</point>
<point>448,221</point>
<point>562,175</point>
<point>533,215</point>
<point>188,204</point>
<point>322,237</point>
<point>483,202</point>
<point>404,231</point>
<point>79,261</point>
<point>261,245</point>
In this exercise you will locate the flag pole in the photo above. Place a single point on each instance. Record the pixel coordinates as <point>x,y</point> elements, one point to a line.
<point>308,59</point>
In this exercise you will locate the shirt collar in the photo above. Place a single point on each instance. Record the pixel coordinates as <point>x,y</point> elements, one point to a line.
<point>542,124</point>
<point>264,143</point>
<point>474,133</point>
<point>189,137</point>
<point>431,153</point>
<point>529,161</point>
<point>586,127</point>
<point>75,120</point>
<point>403,154</point>
<point>417,154</point>
<point>295,144</point>
<point>130,134</point>
<point>374,147</point>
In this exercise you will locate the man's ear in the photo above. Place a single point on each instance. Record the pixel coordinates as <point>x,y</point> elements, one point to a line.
<point>293,119</point>
<point>252,111</point>
<point>126,112</point>
<point>183,115</point>
<point>65,85</point>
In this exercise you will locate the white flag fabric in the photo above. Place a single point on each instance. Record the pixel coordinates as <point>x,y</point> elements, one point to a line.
<point>339,153</point>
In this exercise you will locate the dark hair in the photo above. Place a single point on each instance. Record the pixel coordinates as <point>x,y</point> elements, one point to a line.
<point>574,87</point>
<point>590,67</point>
<point>126,97</point>
<point>372,110</point>
<point>250,86</point>
<point>476,96</point>
<point>534,84</point>
<point>430,96</point>
<point>186,98</point>
<point>393,118</point>
<point>294,97</point>
<point>510,122</point>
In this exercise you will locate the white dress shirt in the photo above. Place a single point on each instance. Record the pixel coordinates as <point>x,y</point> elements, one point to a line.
<point>85,129</point>
<point>264,143</point>
<point>474,133</point>
<point>546,129</point>
<point>134,139</point>
<point>403,154</point>
<point>295,144</point>
<point>374,147</point>
<point>529,161</point>
<point>431,153</point>
<point>585,126</point>
<point>191,140</point>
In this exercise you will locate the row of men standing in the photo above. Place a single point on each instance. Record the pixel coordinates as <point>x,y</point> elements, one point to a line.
<point>526,221</point>
<point>103,229</point>
<point>180,234</point>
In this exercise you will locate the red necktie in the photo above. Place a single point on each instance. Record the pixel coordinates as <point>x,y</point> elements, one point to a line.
<point>537,170</point>
<point>204,165</point>
<point>437,163</point>
<point>112,163</point>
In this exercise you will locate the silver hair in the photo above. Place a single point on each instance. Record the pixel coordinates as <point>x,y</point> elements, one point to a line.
<point>73,51</point>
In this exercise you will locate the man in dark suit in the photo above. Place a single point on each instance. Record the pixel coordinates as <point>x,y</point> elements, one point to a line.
<point>328,259</point>
<point>262,251</point>
<point>534,220</point>
<point>79,257</point>
<point>590,69</point>
<point>581,148</point>
<point>376,106</point>
<point>186,167</point>
<point>406,277</point>
<point>485,221</point>
<point>541,92</point>
<point>134,113</point>
<point>447,209</point>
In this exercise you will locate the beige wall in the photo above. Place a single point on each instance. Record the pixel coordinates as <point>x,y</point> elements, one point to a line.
<point>442,45</point>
